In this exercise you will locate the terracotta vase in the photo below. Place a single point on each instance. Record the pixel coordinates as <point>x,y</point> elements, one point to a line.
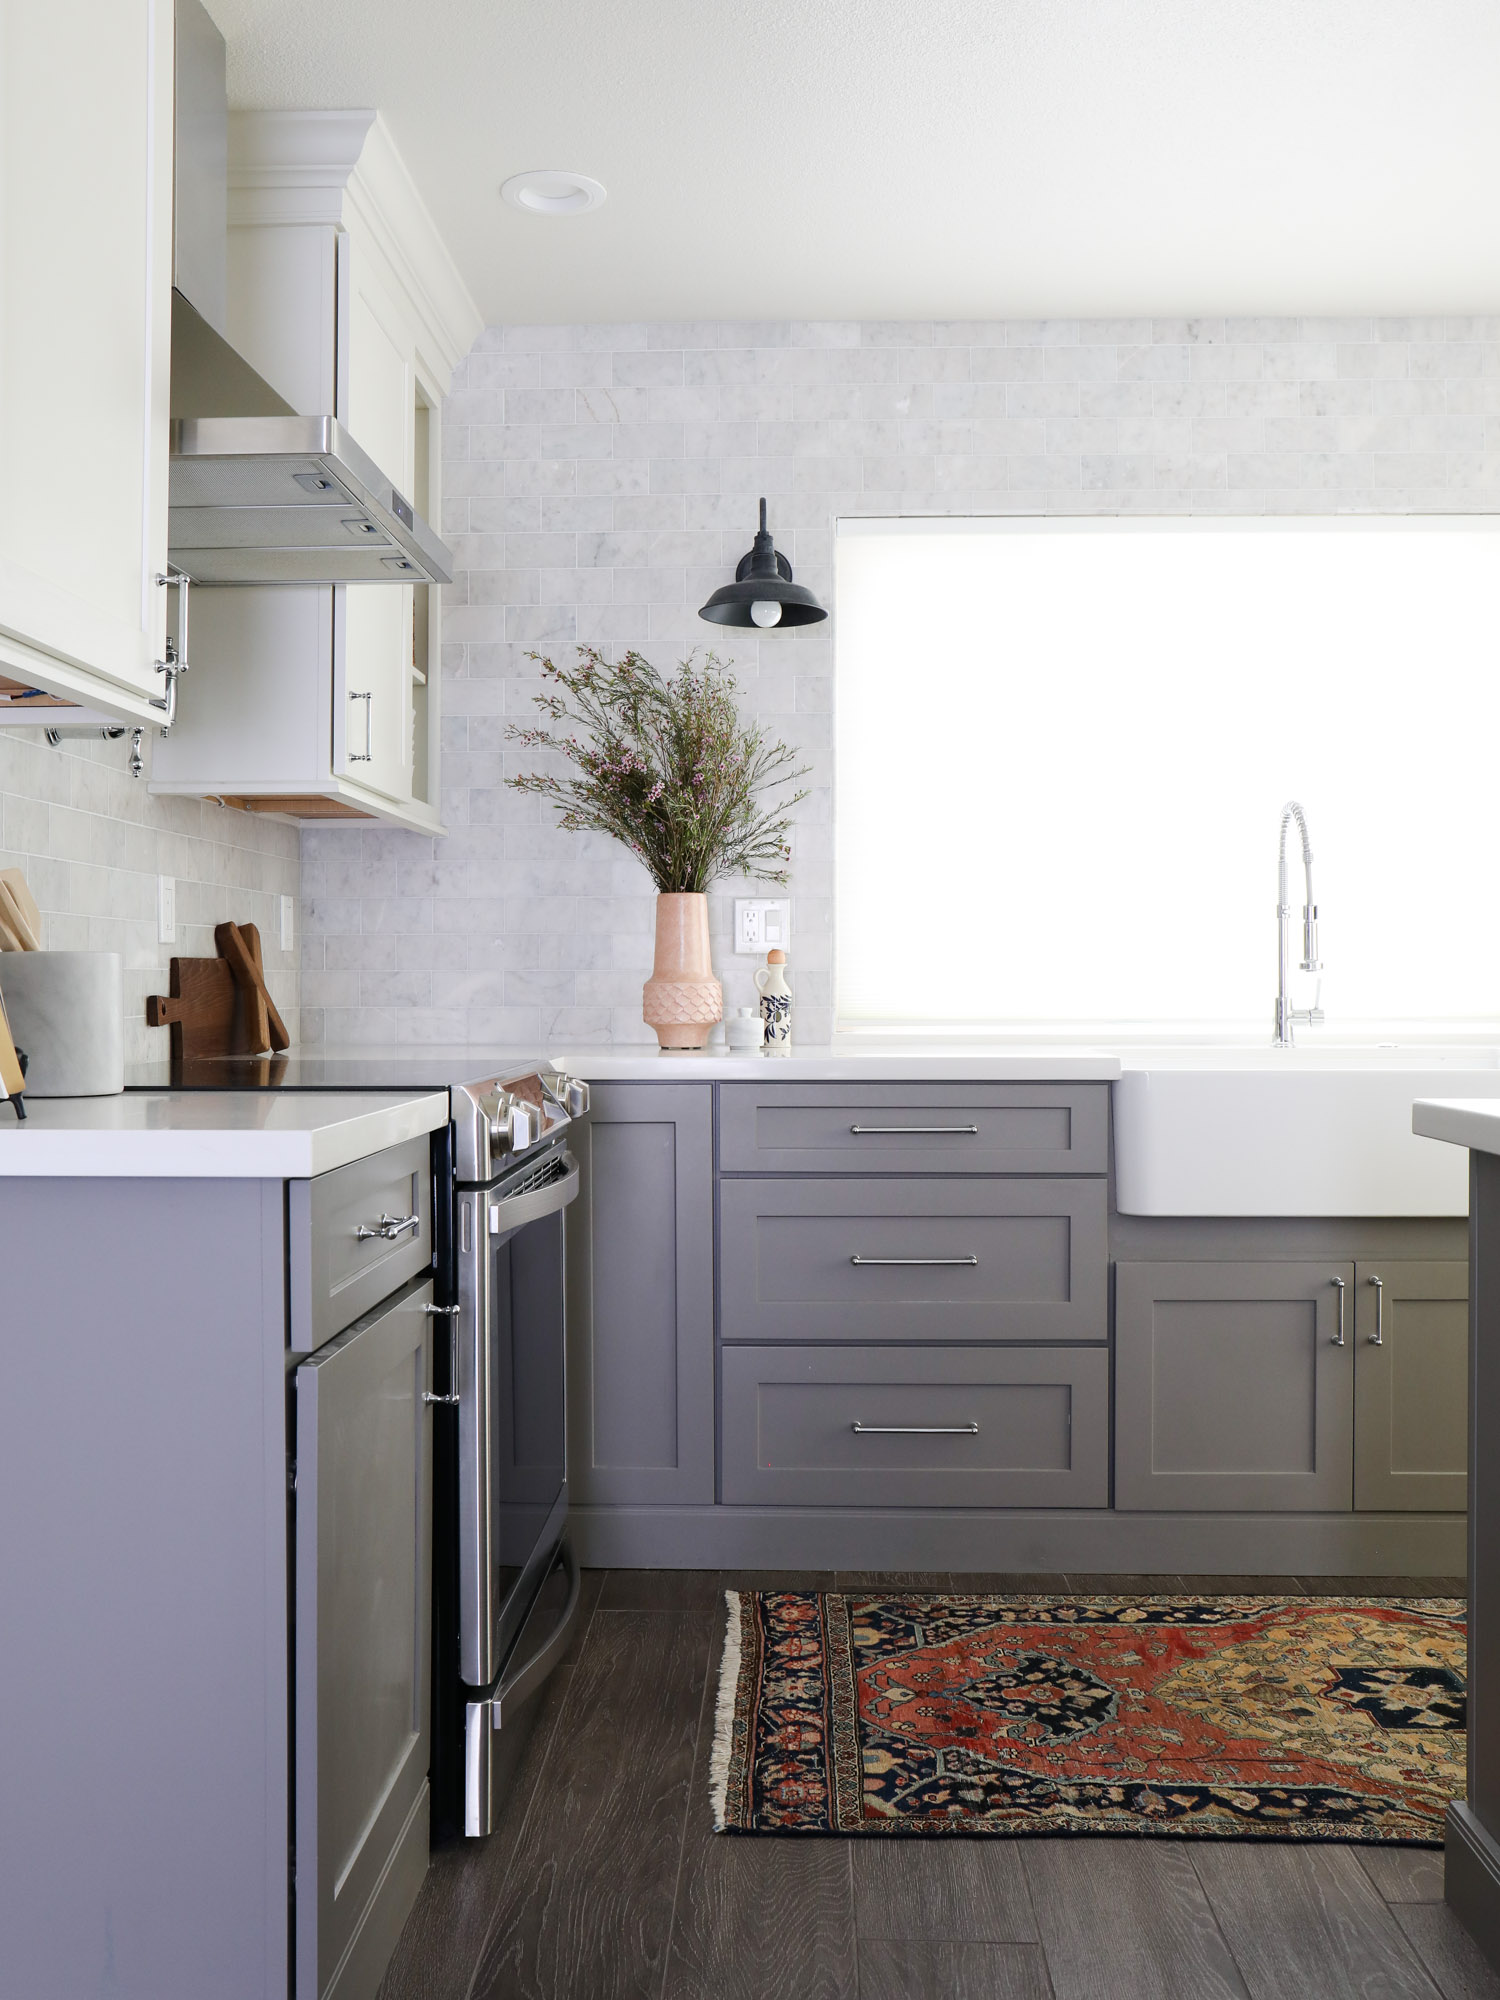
<point>682,999</point>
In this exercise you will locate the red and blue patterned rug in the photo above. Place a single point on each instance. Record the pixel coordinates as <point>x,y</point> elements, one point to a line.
<point>1282,1718</point>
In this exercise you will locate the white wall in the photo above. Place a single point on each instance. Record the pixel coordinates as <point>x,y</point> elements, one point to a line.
<point>92,842</point>
<point>603,480</point>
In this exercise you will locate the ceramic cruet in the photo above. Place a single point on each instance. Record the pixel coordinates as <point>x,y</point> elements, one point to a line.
<point>775,1003</point>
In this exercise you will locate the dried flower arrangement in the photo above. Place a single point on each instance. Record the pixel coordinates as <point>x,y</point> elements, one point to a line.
<point>667,765</point>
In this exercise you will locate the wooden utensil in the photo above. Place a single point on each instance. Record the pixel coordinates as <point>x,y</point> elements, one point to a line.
<point>15,919</point>
<point>12,1083</point>
<point>25,902</point>
<point>8,939</point>
<point>234,943</point>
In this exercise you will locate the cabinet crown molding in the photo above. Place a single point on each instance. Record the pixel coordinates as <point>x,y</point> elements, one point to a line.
<point>328,167</point>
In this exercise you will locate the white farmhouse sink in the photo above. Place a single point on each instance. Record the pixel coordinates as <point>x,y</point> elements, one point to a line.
<point>1321,1130</point>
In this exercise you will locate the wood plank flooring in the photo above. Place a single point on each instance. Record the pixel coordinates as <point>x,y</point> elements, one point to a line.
<point>606,1882</point>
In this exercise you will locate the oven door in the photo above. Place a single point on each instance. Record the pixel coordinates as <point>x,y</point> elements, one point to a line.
<point>512,1417</point>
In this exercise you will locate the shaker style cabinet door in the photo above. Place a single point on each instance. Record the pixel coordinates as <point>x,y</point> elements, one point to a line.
<point>1411,1387</point>
<point>85,346</point>
<point>363,1644</point>
<point>641,1298</point>
<point>1234,1387</point>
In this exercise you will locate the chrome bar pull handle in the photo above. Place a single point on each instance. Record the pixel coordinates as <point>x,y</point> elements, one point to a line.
<point>1338,1338</point>
<point>1377,1338</point>
<point>449,1313</point>
<point>389,1229</point>
<point>365,756</point>
<point>914,1430</point>
<point>866,1263</point>
<point>962,1130</point>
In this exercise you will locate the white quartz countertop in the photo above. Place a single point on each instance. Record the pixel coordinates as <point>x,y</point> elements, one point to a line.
<point>210,1134</point>
<point>1463,1121</point>
<point>913,1062</point>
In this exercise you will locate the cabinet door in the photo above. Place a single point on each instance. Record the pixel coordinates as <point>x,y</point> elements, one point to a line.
<point>1411,1387</point>
<point>1234,1387</point>
<point>381,409</point>
<point>85,330</point>
<point>641,1298</point>
<point>373,686</point>
<point>363,1644</point>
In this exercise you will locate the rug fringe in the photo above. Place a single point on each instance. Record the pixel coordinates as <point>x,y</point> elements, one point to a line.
<point>729,1680</point>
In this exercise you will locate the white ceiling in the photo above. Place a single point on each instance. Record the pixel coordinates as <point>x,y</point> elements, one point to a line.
<point>919,159</point>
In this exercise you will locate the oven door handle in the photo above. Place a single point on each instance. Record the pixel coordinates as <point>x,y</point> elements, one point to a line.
<point>528,1677</point>
<point>522,1209</point>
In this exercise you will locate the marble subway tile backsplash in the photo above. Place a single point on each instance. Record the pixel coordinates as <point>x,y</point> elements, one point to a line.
<point>602,480</point>
<point>92,841</point>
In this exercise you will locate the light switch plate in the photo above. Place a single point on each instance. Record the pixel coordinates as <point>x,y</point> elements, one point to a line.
<point>166,909</point>
<point>760,926</point>
<point>288,935</point>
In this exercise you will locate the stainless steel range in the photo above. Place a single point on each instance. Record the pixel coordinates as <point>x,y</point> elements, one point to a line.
<point>517,1581</point>
<point>505,1586</point>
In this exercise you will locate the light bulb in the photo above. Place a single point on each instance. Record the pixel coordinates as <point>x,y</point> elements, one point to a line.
<point>766,611</point>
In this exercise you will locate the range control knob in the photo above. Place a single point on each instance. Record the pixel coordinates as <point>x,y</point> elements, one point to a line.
<point>514,1124</point>
<point>569,1092</point>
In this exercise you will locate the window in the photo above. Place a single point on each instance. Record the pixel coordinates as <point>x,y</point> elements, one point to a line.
<point>1063,747</point>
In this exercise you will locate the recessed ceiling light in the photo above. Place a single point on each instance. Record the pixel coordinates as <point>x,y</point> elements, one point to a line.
<point>551,191</point>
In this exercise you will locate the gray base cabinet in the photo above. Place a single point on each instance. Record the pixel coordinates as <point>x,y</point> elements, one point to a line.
<point>857,1318</point>
<point>916,1427</point>
<point>1411,1386</point>
<point>1316,1386</point>
<point>641,1298</point>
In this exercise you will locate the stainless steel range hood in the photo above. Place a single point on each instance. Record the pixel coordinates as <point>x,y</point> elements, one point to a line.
<point>256,493</point>
<point>291,500</point>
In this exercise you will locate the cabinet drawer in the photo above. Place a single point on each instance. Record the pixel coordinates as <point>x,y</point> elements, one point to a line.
<point>929,1260</point>
<point>941,1427</point>
<point>352,1266</point>
<point>914,1128</point>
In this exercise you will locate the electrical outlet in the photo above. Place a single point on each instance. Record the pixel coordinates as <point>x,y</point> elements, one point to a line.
<point>288,935</point>
<point>166,909</point>
<point>761,926</point>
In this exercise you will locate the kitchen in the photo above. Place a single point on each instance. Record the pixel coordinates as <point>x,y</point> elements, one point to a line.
<point>1062,1256</point>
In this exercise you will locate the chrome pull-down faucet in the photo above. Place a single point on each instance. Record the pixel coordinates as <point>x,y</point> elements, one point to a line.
<point>1287,1016</point>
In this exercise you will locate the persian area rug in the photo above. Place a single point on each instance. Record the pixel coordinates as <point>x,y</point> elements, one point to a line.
<point>1282,1718</point>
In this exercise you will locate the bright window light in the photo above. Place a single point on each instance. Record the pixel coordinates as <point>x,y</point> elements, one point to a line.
<point>1063,747</point>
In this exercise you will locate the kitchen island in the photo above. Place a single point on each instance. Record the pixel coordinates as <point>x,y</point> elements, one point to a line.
<point>1472,1857</point>
<point>215,1477</point>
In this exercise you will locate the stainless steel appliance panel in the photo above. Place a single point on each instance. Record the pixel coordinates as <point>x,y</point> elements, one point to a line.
<point>512,1401</point>
<point>496,1729</point>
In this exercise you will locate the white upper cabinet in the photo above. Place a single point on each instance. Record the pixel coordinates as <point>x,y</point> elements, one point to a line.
<point>316,700</point>
<point>85,346</point>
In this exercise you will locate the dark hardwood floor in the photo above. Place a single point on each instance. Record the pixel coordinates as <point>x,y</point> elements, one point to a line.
<point>606,1882</point>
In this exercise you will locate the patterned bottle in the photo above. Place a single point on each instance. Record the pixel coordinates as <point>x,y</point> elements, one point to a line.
<point>775,1003</point>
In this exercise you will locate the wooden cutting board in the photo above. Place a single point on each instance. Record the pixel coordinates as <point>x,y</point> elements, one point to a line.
<point>239,946</point>
<point>202,1009</point>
